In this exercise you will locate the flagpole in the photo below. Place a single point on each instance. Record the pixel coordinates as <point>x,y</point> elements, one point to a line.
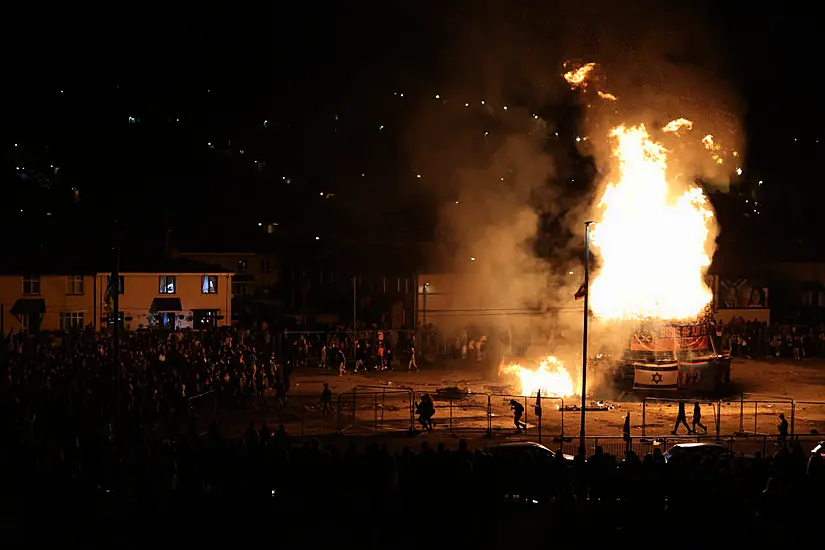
<point>583,431</point>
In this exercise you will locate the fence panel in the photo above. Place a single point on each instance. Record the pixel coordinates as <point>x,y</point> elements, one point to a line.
<point>807,417</point>
<point>614,445</point>
<point>659,416</point>
<point>552,421</point>
<point>461,410</point>
<point>368,410</point>
<point>501,414</point>
<point>202,411</point>
<point>301,415</point>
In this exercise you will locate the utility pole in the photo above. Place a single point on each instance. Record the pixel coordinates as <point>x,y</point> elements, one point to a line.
<point>114,288</point>
<point>583,431</point>
<point>354,314</point>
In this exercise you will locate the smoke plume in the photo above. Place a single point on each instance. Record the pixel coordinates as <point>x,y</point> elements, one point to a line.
<point>491,146</point>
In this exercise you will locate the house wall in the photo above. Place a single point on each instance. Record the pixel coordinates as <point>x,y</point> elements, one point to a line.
<point>54,291</point>
<point>140,290</point>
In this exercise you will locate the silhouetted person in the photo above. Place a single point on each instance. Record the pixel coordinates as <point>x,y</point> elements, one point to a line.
<point>426,411</point>
<point>412,366</point>
<point>697,417</point>
<point>783,430</point>
<point>518,412</point>
<point>626,432</point>
<point>681,418</point>
<point>326,400</point>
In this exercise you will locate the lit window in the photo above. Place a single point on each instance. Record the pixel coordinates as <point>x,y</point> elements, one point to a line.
<point>72,320</point>
<point>209,284</point>
<point>31,284</point>
<point>167,284</point>
<point>74,285</point>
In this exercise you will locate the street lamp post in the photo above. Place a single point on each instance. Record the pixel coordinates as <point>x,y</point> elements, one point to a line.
<point>583,431</point>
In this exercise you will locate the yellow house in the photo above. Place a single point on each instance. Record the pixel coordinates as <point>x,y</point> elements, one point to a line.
<point>46,302</point>
<point>177,294</point>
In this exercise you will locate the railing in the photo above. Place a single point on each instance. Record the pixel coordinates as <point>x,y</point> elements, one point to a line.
<point>763,408</point>
<point>738,445</point>
<point>356,408</point>
<point>373,409</point>
<point>201,411</point>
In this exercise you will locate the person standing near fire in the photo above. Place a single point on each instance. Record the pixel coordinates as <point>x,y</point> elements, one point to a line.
<point>518,412</point>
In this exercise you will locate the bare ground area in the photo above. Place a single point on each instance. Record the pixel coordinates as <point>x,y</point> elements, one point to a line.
<point>371,403</point>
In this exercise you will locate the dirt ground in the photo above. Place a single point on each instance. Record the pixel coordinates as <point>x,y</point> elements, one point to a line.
<point>368,403</point>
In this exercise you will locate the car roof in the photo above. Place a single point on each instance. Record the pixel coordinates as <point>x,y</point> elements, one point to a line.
<point>526,445</point>
<point>689,446</point>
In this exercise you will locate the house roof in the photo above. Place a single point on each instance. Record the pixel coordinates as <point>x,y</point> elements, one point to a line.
<point>167,265</point>
<point>37,263</point>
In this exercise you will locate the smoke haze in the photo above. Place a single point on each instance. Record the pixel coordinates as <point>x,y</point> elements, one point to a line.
<point>500,174</point>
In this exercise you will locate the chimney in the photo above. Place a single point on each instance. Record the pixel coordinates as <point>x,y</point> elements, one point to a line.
<point>170,249</point>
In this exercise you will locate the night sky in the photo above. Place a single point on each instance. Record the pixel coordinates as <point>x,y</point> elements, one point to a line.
<point>215,120</point>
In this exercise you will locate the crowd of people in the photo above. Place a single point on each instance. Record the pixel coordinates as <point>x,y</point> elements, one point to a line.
<point>84,446</point>
<point>755,339</point>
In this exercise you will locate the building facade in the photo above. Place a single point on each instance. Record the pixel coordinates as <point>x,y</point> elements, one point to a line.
<point>255,281</point>
<point>174,300</point>
<point>46,302</point>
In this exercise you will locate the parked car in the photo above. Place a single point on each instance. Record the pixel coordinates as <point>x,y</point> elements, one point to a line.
<point>712,450</point>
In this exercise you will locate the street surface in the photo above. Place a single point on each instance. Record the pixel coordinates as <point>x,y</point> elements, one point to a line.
<point>369,403</point>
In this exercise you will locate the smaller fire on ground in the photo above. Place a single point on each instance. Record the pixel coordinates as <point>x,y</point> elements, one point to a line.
<point>549,376</point>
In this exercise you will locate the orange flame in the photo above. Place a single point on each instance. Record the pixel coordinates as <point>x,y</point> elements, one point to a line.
<point>549,376</point>
<point>607,96</point>
<point>653,244</point>
<point>714,149</point>
<point>679,124</point>
<point>577,78</point>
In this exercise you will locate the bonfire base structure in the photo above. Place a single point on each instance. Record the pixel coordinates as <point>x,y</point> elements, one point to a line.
<point>674,358</point>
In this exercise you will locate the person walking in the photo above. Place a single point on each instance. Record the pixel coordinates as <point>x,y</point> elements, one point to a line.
<point>697,417</point>
<point>681,418</point>
<point>518,412</point>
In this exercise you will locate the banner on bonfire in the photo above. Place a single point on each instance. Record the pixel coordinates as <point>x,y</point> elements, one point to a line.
<point>642,342</point>
<point>655,376</point>
<point>671,338</point>
<point>698,376</point>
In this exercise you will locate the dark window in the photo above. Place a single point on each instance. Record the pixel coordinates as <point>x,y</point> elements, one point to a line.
<point>31,284</point>
<point>74,285</point>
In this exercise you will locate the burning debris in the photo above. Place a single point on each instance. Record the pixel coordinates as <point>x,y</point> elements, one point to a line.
<point>593,406</point>
<point>550,376</point>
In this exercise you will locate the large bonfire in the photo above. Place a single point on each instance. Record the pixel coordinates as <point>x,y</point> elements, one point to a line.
<point>652,237</point>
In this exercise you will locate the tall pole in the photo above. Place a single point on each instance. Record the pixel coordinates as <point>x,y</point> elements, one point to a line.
<point>114,286</point>
<point>583,430</point>
<point>354,315</point>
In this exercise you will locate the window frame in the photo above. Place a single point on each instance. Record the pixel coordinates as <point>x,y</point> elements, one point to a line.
<point>164,283</point>
<point>72,283</point>
<point>205,285</point>
<point>76,320</point>
<point>32,281</point>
